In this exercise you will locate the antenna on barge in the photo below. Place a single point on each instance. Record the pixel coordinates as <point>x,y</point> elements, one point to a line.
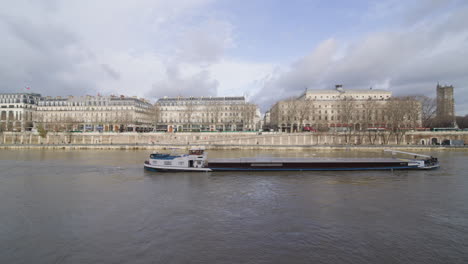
<point>404,152</point>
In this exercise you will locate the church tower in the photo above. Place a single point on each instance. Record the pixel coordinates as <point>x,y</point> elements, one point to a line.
<point>445,105</point>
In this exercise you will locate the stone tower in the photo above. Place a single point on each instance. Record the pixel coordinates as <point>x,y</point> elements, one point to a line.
<point>445,105</point>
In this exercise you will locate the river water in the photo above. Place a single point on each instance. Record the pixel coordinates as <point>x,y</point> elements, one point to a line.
<point>101,207</point>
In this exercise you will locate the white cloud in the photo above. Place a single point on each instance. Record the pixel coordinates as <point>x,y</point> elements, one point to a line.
<point>156,47</point>
<point>205,43</point>
<point>176,84</point>
<point>407,60</point>
<point>78,47</point>
<point>240,77</point>
<point>305,72</point>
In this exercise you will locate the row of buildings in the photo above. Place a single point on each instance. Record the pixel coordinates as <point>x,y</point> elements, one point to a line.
<point>336,109</point>
<point>30,111</point>
<point>207,114</point>
<point>346,110</point>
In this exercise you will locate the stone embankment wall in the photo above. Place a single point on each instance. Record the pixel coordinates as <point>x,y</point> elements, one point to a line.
<point>225,139</point>
<point>116,138</point>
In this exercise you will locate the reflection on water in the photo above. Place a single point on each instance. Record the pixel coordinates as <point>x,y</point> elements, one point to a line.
<point>102,207</point>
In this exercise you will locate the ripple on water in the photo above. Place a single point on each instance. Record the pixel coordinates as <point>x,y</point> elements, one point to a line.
<point>102,207</point>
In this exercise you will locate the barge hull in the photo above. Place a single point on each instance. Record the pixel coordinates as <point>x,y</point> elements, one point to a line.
<point>295,164</point>
<point>174,169</point>
<point>315,169</point>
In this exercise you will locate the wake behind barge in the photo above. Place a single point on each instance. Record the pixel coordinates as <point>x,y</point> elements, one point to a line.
<point>196,160</point>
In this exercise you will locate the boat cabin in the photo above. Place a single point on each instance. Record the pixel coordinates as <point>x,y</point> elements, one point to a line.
<point>196,151</point>
<point>195,158</point>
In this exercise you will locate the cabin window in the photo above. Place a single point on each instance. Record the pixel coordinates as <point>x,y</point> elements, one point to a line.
<point>181,163</point>
<point>167,162</point>
<point>196,152</point>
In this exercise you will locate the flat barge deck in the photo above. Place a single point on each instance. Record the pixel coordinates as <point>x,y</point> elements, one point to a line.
<point>303,164</point>
<point>197,160</point>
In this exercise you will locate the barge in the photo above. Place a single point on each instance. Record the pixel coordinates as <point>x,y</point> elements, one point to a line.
<point>196,161</point>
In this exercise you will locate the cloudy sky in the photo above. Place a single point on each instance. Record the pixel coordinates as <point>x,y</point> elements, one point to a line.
<point>264,49</point>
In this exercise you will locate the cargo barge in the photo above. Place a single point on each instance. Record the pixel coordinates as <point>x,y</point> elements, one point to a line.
<point>196,160</point>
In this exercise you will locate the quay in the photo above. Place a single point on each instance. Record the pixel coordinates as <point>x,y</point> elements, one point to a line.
<point>228,147</point>
<point>229,140</point>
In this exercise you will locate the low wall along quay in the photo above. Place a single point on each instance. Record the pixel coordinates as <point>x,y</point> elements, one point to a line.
<point>222,140</point>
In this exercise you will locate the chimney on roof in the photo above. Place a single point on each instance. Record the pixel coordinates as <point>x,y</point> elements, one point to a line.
<point>339,88</point>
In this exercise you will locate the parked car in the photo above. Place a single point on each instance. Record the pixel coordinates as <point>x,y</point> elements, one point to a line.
<point>309,129</point>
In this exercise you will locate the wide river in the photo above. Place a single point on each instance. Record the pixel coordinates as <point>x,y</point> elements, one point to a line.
<point>91,206</point>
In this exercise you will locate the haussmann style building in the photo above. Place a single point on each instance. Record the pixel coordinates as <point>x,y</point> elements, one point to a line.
<point>177,114</point>
<point>338,110</point>
<point>94,113</point>
<point>17,111</point>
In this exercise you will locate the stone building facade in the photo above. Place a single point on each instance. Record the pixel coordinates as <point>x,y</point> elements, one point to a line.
<point>445,105</point>
<point>177,114</point>
<point>341,110</point>
<point>94,113</point>
<point>16,111</point>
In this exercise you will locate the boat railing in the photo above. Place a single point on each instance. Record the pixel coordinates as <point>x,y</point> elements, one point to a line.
<point>162,156</point>
<point>407,153</point>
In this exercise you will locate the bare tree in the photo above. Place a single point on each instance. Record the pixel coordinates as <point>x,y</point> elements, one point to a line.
<point>414,112</point>
<point>38,119</point>
<point>462,121</point>
<point>304,109</point>
<point>282,116</point>
<point>156,115</point>
<point>395,114</point>
<point>124,119</point>
<point>247,111</point>
<point>207,118</point>
<point>291,109</point>
<point>80,119</point>
<point>347,115</point>
<point>188,112</point>
<point>3,120</point>
<point>428,110</point>
<point>55,122</point>
<point>217,115</point>
<point>69,122</point>
<point>402,114</point>
<point>233,117</point>
<point>42,132</point>
<point>369,120</point>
